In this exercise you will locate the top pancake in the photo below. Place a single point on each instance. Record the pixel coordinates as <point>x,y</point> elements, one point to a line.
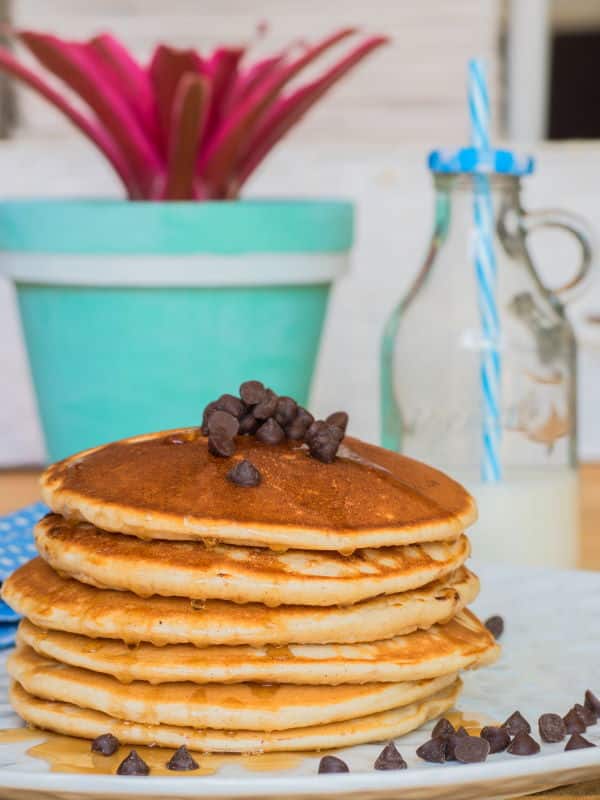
<point>151,488</point>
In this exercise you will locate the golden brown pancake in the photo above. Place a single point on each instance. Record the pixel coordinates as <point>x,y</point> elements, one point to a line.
<point>240,706</point>
<point>462,643</point>
<point>368,497</point>
<point>240,574</point>
<point>49,601</point>
<point>72,720</point>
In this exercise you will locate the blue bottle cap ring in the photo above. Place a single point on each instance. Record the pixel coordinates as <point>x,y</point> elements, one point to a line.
<point>480,162</point>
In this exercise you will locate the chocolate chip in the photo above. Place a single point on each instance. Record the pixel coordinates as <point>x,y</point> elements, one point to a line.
<point>451,742</point>
<point>390,758</point>
<point>286,411</point>
<point>107,744</point>
<point>578,742</point>
<point>231,405</point>
<point>248,425</point>
<point>266,408</point>
<point>332,764</point>
<point>323,441</point>
<point>443,728</point>
<point>244,474</point>
<point>133,765</point>
<point>516,723</point>
<point>206,416</point>
<point>523,745</point>
<point>223,422</point>
<point>221,445</point>
<point>498,738</point>
<point>252,392</point>
<point>588,716</point>
<point>296,430</point>
<point>471,749</point>
<point>552,728</point>
<point>270,432</point>
<point>573,722</point>
<point>592,702</point>
<point>495,626</point>
<point>339,419</point>
<point>181,760</point>
<point>434,750</point>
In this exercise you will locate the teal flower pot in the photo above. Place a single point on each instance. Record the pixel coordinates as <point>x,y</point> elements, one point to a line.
<point>135,315</point>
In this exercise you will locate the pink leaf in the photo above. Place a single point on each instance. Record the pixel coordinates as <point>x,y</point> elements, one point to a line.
<point>217,163</point>
<point>166,69</point>
<point>287,111</point>
<point>252,77</point>
<point>222,69</point>
<point>69,62</point>
<point>94,132</point>
<point>189,117</point>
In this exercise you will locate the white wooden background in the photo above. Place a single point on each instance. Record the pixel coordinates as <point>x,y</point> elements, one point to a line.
<point>367,142</point>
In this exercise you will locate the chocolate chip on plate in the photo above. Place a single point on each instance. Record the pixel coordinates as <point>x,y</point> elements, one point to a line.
<point>252,392</point>
<point>471,749</point>
<point>578,742</point>
<point>390,758</point>
<point>433,750</point>
<point>270,432</point>
<point>339,419</point>
<point>451,742</point>
<point>516,723</point>
<point>133,765</point>
<point>592,702</point>
<point>286,411</point>
<point>231,405</point>
<point>495,625</point>
<point>248,424</point>
<point>497,737</point>
<point>244,474</point>
<point>574,722</point>
<point>296,430</point>
<point>332,764</point>
<point>552,728</point>
<point>588,716</point>
<point>443,727</point>
<point>267,406</point>
<point>107,744</point>
<point>523,745</point>
<point>182,760</point>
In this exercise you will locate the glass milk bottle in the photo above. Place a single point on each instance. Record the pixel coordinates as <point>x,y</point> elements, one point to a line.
<point>436,397</point>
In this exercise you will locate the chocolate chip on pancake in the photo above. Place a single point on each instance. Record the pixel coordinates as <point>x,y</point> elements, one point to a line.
<point>296,430</point>
<point>574,722</point>
<point>323,441</point>
<point>497,737</point>
<point>244,474</point>
<point>106,744</point>
<point>495,625</point>
<point>270,432</point>
<point>231,405</point>
<point>286,411</point>
<point>267,406</point>
<point>523,745</point>
<point>434,750</point>
<point>578,742</point>
<point>182,760</point>
<point>222,428</point>
<point>552,728</point>
<point>338,419</point>
<point>221,445</point>
<point>248,424</point>
<point>332,764</point>
<point>588,716</point>
<point>133,765</point>
<point>208,410</point>
<point>390,758</point>
<point>516,724</point>
<point>471,749</point>
<point>443,728</point>
<point>252,392</point>
<point>592,702</point>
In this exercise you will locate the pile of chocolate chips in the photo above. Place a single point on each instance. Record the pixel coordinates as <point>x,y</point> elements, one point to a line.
<point>259,412</point>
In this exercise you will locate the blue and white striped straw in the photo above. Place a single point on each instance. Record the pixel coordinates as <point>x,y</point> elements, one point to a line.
<point>486,272</point>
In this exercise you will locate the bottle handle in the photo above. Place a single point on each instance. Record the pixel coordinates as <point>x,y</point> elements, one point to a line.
<point>577,227</point>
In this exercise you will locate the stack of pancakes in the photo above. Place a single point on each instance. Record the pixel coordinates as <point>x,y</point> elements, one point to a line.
<point>325,607</point>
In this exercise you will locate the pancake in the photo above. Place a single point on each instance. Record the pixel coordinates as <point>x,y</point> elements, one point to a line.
<point>37,592</point>
<point>151,488</point>
<point>241,706</point>
<point>240,574</point>
<point>72,720</point>
<point>462,643</point>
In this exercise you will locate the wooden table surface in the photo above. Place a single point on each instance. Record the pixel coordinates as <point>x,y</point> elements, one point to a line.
<point>19,487</point>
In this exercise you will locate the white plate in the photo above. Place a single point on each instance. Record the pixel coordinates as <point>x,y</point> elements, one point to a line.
<point>551,655</point>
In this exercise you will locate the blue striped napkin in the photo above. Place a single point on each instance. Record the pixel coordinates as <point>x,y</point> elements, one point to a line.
<point>16,547</point>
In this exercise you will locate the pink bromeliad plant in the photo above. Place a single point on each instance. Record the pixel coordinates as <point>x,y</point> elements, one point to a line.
<point>184,127</point>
